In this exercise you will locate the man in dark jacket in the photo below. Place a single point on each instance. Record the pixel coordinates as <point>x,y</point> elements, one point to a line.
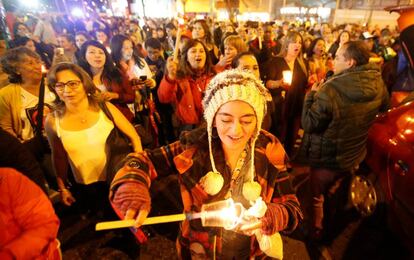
<point>336,117</point>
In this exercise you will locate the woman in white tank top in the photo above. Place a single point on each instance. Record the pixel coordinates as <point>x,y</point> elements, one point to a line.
<point>78,129</point>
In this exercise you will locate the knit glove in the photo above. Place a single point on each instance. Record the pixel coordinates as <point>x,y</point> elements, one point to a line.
<point>275,219</point>
<point>131,198</point>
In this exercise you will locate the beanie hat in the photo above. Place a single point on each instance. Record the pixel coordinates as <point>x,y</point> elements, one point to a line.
<point>231,85</point>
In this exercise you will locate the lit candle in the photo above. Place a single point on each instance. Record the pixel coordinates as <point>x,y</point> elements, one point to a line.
<point>44,70</point>
<point>177,43</point>
<point>287,77</point>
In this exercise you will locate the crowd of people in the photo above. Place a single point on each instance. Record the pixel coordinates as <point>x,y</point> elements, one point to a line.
<point>228,109</point>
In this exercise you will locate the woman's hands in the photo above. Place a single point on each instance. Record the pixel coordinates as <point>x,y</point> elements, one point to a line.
<point>275,84</point>
<point>225,60</point>
<point>66,197</point>
<point>132,199</point>
<point>249,226</point>
<point>138,84</point>
<point>107,96</point>
<point>172,67</point>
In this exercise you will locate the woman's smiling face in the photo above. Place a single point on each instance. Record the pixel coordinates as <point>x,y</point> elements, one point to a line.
<point>95,57</point>
<point>235,122</point>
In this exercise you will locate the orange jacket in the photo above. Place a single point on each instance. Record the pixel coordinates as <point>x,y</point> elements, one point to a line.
<point>28,223</point>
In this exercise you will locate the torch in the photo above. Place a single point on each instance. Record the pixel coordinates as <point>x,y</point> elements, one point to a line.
<point>225,213</point>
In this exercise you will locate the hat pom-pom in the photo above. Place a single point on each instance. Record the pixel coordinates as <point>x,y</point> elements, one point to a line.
<point>212,183</point>
<point>251,190</point>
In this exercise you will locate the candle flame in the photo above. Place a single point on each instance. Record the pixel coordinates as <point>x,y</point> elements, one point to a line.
<point>44,70</point>
<point>226,214</point>
<point>287,77</point>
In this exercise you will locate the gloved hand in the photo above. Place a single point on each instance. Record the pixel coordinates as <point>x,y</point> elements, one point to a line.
<point>132,199</point>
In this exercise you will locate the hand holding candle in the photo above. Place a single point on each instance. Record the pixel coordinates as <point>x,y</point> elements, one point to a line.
<point>177,43</point>
<point>287,77</point>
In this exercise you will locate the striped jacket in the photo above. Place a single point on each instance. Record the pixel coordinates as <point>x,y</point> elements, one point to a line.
<point>189,158</point>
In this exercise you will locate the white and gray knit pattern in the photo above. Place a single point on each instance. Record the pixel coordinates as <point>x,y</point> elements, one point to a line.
<point>232,85</point>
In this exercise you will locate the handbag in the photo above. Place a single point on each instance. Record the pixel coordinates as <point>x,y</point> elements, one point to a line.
<point>38,145</point>
<point>118,146</point>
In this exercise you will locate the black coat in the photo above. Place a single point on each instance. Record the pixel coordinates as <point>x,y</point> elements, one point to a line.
<point>336,119</point>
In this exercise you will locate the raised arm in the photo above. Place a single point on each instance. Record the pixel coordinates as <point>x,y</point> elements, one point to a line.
<point>168,86</point>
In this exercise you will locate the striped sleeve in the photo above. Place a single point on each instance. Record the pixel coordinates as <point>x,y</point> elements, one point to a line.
<point>145,166</point>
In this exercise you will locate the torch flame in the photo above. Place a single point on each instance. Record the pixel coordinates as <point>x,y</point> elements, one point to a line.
<point>224,213</point>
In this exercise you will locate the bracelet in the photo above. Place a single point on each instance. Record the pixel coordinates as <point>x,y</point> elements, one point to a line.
<point>62,190</point>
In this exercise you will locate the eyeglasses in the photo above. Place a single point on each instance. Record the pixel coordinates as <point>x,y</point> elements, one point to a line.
<point>72,84</point>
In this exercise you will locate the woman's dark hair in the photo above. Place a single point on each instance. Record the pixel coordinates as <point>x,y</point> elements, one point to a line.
<point>153,43</point>
<point>309,53</point>
<point>69,37</point>
<point>20,41</point>
<point>164,33</point>
<point>207,33</point>
<point>110,72</point>
<point>106,32</point>
<point>339,36</point>
<point>185,67</point>
<point>170,26</point>
<point>236,59</point>
<point>12,60</point>
<point>116,50</point>
<point>85,34</point>
<point>16,29</point>
<point>90,88</point>
<point>358,51</point>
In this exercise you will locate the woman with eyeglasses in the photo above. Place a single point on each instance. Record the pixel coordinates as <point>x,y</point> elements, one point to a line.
<point>78,132</point>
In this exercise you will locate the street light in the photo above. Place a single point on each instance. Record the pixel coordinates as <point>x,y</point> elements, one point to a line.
<point>30,4</point>
<point>77,12</point>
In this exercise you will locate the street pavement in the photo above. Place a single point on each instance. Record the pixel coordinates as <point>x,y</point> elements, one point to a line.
<point>359,238</point>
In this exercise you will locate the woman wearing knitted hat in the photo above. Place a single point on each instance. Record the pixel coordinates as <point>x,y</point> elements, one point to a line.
<point>228,157</point>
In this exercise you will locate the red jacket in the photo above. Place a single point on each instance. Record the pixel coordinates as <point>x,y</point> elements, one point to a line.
<point>28,223</point>
<point>126,94</point>
<point>186,95</point>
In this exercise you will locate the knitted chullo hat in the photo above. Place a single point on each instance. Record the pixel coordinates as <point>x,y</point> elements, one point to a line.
<point>232,85</point>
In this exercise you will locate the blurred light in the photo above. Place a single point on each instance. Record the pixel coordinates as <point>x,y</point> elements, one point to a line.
<point>222,16</point>
<point>179,7</point>
<point>254,16</point>
<point>31,3</point>
<point>77,12</point>
<point>324,12</point>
